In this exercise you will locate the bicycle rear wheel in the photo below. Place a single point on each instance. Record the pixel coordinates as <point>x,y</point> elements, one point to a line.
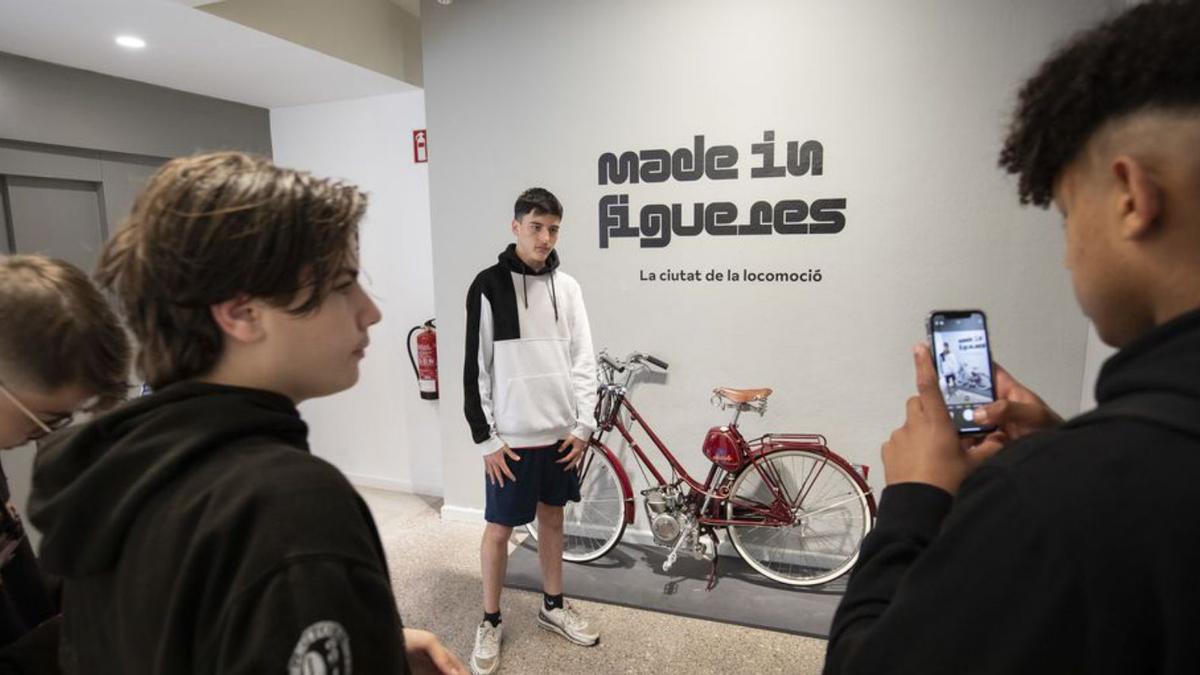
<point>829,513</point>
<point>593,525</point>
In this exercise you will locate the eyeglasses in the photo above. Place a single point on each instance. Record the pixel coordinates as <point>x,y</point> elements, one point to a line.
<point>45,427</point>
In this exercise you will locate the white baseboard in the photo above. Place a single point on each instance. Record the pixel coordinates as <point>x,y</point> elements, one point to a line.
<point>461,514</point>
<point>360,480</point>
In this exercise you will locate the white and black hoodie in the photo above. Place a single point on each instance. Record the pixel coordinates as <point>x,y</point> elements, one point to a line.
<point>530,374</point>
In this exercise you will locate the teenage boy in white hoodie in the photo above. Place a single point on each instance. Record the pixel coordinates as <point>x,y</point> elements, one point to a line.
<point>530,395</point>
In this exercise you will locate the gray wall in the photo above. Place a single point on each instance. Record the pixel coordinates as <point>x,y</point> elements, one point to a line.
<point>909,101</point>
<point>46,103</point>
<point>65,201</point>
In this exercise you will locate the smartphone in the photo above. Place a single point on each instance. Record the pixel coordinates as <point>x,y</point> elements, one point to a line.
<point>963,358</point>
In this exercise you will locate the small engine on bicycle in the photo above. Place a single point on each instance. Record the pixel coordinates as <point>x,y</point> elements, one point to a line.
<point>672,515</point>
<point>664,511</point>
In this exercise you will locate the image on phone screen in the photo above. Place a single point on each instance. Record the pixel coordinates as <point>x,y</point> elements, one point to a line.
<point>959,342</point>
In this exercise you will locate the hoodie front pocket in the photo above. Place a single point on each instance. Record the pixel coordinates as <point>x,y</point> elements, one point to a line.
<point>536,403</point>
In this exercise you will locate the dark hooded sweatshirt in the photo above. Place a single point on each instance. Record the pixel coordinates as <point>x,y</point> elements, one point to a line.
<point>196,534</point>
<point>1075,550</point>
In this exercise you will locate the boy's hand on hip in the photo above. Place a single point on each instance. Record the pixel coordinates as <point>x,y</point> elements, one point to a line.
<point>496,465</point>
<point>572,458</point>
<point>927,449</point>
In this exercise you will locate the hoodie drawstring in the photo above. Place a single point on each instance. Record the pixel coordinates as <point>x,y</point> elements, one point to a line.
<point>525,290</point>
<point>553,297</point>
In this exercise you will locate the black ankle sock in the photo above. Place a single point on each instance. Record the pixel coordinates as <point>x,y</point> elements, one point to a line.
<point>552,602</point>
<point>492,618</point>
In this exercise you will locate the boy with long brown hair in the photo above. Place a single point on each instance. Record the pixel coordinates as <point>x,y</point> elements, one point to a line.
<point>194,530</point>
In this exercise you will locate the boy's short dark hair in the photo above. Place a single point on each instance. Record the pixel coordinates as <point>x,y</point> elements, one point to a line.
<point>57,330</point>
<point>1148,58</point>
<point>537,200</point>
<point>209,228</point>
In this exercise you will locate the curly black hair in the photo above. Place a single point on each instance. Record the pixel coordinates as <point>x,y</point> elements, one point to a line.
<point>1146,58</point>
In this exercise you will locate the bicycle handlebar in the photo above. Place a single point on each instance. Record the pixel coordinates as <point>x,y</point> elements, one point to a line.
<point>655,362</point>
<point>609,362</point>
<point>620,365</point>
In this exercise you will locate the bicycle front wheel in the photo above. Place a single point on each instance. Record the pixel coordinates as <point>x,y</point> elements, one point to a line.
<point>828,511</point>
<point>593,525</point>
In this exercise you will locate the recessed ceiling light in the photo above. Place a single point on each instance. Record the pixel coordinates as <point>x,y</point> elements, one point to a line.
<point>131,42</point>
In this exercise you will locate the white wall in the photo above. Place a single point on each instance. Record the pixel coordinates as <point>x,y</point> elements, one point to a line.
<point>910,101</point>
<point>379,433</point>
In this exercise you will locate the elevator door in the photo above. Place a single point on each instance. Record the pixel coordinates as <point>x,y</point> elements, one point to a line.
<point>60,218</point>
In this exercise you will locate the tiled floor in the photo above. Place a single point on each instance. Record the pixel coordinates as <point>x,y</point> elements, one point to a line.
<point>435,574</point>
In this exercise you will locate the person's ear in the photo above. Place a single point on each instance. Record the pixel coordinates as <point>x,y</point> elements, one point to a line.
<point>239,318</point>
<point>1139,197</point>
<point>516,226</point>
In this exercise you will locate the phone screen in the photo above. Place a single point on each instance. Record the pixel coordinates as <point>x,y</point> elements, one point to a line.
<point>959,342</point>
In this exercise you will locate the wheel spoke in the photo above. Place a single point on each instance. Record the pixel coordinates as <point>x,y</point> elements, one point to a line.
<point>595,523</point>
<point>829,509</point>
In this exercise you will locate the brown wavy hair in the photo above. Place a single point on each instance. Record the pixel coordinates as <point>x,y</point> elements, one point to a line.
<point>57,330</point>
<point>211,227</point>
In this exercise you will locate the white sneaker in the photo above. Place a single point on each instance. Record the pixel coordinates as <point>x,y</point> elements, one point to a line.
<point>485,659</point>
<point>568,623</point>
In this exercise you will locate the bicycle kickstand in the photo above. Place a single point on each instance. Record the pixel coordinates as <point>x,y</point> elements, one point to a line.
<point>712,575</point>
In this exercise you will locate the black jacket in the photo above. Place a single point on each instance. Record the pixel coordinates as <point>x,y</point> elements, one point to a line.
<point>196,534</point>
<point>1075,550</point>
<point>29,618</point>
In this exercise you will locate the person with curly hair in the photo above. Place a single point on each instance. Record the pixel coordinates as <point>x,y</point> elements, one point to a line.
<point>1054,546</point>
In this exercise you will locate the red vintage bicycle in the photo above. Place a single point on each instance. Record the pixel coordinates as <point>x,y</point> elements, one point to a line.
<point>793,509</point>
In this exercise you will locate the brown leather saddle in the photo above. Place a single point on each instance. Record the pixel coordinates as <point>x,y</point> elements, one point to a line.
<point>742,396</point>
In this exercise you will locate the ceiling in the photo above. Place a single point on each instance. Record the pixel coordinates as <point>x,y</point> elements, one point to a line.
<point>186,49</point>
<point>411,6</point>
<point>376,34</point>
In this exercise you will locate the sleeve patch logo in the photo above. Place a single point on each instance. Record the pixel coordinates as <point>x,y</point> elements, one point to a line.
<point>323,649</point>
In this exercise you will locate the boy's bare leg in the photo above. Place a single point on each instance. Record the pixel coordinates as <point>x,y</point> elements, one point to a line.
<point>550,547</point>
<point>493,558</point>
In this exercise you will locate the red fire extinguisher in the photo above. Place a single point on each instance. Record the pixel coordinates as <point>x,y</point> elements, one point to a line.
<point>425,364</point>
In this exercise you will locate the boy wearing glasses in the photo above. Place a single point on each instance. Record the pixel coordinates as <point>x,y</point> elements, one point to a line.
<point>193,529</point>
<point>530,393</point>
<point>62,350</point>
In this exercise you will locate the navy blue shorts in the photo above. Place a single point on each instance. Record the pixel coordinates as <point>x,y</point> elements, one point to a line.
<point>539,479</point>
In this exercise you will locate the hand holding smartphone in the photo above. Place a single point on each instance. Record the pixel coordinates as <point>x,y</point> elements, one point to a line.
<point>958,340</point>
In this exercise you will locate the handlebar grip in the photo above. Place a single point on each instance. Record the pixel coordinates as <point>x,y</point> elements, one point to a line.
<point>656,362</point>
<point>608,362</point>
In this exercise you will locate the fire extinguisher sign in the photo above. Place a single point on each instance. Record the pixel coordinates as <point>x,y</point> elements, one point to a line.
<point>420,146</point>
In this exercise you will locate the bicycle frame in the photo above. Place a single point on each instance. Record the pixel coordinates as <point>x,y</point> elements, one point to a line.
<point>715,489</point>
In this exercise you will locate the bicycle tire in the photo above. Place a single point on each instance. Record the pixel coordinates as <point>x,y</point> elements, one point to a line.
<point>595,524</point>
<point>814,550</point>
